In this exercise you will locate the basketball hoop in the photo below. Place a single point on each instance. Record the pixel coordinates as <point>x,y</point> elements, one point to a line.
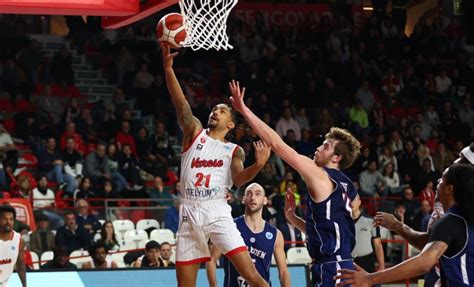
<point>205,22</point>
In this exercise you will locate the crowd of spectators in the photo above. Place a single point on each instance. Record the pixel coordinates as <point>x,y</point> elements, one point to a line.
<point>408,100</point>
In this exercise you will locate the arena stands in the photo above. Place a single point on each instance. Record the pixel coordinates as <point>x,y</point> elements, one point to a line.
<point>408,100</point>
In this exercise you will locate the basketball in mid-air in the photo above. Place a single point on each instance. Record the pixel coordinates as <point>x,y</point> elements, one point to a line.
<point>170,29</point>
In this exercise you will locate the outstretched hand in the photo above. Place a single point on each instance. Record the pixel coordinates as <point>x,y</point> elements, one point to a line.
<point>357,278</point>
<point>436,215</point>
<point>168,57</point>
<point>237,98</point>
<point>262,152</point>
<point>385,220</point>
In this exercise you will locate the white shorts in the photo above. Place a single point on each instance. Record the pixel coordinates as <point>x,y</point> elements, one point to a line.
<point>199,222</point>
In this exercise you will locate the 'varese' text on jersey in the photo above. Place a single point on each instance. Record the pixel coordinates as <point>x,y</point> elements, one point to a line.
<point>329,225</point>
<point>206,168</point>
<point>260,245</point>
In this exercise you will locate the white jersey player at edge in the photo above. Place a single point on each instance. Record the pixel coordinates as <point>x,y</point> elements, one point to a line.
<point>11,247</point>
<point>209,167</point>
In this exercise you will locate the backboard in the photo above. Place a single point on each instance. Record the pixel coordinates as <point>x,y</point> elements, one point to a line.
<point>147,8</point>
<point>71,7</point>
<point>116,13</point>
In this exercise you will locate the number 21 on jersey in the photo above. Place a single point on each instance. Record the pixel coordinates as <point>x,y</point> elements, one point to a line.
<point>202,177</point>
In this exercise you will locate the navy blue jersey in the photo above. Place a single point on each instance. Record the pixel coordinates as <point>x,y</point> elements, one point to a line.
<point>260,246</point>
<point>459,269</point>
<point>329,226</point>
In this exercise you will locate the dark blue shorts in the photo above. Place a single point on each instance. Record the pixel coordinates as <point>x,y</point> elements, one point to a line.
<point>323,273</point>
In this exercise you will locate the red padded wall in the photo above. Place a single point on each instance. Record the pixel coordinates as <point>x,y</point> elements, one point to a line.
<point>146,9</point>
<point>71,7</point>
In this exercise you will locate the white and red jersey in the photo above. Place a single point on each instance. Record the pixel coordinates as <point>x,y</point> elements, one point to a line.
<point>206,168</point>
<point>9,251</point>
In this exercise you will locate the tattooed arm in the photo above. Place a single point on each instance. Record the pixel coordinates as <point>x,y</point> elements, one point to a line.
<point>188,123</point>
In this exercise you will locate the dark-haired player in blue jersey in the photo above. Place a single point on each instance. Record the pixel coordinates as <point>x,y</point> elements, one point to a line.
<point>452,228</point>
<point>329,227</point>
<point>262,240</point>
<point>451,240</point>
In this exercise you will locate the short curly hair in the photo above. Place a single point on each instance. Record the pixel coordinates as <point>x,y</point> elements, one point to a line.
<point>7,208</point>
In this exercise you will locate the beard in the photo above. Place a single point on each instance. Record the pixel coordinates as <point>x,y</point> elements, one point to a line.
<point>211,125</point>
<point>7,229</point>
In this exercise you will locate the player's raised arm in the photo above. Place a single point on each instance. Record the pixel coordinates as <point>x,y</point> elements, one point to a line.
<point>188,123</point>
<point>20,263</point>
<point>290,209</point>
<point>304,165</point>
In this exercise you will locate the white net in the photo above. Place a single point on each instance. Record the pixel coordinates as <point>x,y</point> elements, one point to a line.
<point>205,22</point>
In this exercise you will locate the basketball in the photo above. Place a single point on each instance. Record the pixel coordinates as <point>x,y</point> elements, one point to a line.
<point>170,29</point>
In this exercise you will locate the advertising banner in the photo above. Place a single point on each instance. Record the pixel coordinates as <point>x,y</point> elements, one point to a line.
<point>24,212</point>
<point>280,14</point>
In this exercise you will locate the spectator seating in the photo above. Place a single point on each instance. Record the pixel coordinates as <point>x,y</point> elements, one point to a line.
<point>142,243</point>
<point>118,258</point>
<point>163,235</point>
<point>298,255</point>
<point>27,160</point>
<point>144,224</point>
<point>135,236</point>
<point>46,256</point>
<point>122,226</point>
<point>97,236</point>
<point>127,245</point>
<point>83,257</point>
<point>403,105</point>
<point>35,258</point>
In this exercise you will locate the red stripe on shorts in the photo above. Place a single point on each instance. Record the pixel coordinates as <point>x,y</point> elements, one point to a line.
<point>236,250</point>
<point>194,261</point>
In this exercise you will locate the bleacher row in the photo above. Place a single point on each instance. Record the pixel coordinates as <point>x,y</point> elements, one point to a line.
<point>133,237</point>
<point>137,238</point>
<point>295,255</point>
<point>77,257</point>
